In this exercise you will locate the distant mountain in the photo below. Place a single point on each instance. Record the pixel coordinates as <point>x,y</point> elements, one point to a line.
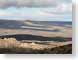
<point>11,24</point>
<point>15,24</point>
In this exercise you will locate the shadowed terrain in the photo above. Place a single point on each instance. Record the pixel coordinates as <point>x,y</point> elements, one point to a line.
<point>36,38</point>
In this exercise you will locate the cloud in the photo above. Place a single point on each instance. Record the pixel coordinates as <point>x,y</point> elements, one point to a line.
<point>31,3</point>
<point>58,10</point>
<point>32,13</point>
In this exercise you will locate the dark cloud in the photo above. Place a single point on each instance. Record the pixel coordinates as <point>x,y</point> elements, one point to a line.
<point>30,3</point>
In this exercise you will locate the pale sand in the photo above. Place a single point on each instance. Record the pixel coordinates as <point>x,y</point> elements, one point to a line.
<point>13,43</point>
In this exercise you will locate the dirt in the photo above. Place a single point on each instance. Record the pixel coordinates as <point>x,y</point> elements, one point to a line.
<point>11,45</point>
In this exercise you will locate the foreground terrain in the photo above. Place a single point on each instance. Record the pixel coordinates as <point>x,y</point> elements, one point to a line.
<point>11,45</point>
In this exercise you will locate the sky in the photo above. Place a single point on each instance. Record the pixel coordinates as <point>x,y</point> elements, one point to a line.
<point>39,10</point>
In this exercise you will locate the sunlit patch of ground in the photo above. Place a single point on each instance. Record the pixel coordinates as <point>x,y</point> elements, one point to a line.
<point>11,45</point>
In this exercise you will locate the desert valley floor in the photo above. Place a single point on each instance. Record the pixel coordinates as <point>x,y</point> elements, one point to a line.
<point>35,37</point>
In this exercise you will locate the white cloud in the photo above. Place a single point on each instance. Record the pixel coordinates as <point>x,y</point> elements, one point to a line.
<point>60,9</point>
